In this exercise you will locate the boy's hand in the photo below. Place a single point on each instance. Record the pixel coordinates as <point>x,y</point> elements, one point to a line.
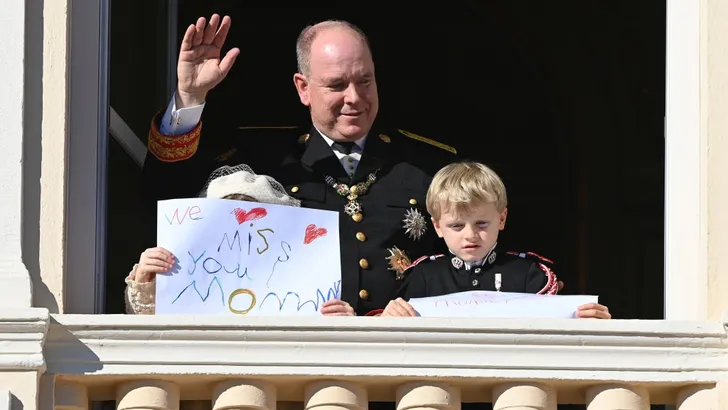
<point>399,308</point>
<point>151,262</point>
<point>337,307</point>
<point>593,311</point>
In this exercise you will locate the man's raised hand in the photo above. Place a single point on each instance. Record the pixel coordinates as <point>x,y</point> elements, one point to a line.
<point>199,68</point>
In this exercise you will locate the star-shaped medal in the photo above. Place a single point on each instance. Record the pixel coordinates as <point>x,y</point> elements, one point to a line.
<point>415,224</point>
<point>398,262</point>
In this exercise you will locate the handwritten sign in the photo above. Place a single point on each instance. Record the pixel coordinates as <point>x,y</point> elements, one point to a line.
<point>501,304</point>
<point>245,258</point>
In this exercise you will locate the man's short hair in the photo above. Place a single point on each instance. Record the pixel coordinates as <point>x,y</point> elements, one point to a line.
<point>465,185</point>
<point>308,35</point>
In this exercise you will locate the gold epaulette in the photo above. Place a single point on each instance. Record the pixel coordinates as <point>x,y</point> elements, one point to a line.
<point>428,141</point>
<point>173,148</point>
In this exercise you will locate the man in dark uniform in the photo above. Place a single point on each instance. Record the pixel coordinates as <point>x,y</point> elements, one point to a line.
<point>375,177</point>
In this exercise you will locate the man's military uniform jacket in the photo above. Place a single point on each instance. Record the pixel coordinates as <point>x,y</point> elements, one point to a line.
<point>377,241</point>
<point>500,271</point>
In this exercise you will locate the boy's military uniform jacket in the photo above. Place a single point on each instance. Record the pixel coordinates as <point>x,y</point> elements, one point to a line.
<point>499,271</point>
<point>380,235</point>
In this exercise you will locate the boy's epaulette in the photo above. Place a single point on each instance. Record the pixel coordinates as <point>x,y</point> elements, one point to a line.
<point>427,141</point>
<point>532,256</point>
<point>552,282</point>
<point>422,258</point>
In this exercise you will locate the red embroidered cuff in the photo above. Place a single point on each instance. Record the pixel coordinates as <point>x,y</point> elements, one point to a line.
<point>173,148</point>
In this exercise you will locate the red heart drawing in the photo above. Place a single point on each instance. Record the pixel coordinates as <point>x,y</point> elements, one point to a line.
<point>242,215</point>
<point>312,232</point>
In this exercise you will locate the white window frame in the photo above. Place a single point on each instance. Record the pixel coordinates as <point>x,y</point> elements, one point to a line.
<point>686,280</point>
<point>686,247</point>
<point>88,86</point>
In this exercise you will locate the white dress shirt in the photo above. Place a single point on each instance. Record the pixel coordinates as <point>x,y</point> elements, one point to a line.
<point>350,161</point>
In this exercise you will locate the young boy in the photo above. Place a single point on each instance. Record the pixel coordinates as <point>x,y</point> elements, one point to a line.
<point>468,205</point>
<point>237,183</point>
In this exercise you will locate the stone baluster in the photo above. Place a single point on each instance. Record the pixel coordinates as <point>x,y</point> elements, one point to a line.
<point>524,396</point>
<point>617,397</point>
<point>428,396</point>
<point>335,395</point>
<point>147,395</point>
<point>698,397</point>
<point>244,394</point>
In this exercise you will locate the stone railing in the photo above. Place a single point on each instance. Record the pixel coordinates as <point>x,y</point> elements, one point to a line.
<point>168,362</point>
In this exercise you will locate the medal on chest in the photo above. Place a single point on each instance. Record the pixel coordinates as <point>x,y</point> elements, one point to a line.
<point>398,262</point>
<point>414,224</point>
<point>352,193</point>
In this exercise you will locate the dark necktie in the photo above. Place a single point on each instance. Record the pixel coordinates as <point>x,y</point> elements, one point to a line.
<point>343,147</point>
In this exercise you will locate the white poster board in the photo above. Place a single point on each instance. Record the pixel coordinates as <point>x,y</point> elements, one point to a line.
<point>500,305</point>
<point>237,257</point>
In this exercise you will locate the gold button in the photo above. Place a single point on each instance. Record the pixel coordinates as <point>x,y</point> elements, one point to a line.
<point>364,294</point>
<point>351,159</point>
<point>413,201</point>
<point>357,217</point>
<point>361,237</point>
<point>364,263</point>
<point>294,189</point>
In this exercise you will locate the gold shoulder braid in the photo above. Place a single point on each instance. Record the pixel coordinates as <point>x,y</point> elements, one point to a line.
<point>353,207</point>
<point>427,141</point>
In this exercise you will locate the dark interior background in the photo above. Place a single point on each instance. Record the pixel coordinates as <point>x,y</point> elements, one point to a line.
<point>564,99</point>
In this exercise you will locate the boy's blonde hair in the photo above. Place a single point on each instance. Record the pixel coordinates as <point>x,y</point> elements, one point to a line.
<point>465,185</point>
